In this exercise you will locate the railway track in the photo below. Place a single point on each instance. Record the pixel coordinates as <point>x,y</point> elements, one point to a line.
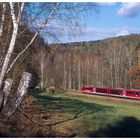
<point>103,96</point>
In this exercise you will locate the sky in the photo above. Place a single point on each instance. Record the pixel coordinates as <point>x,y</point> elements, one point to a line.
<point>114,19</point>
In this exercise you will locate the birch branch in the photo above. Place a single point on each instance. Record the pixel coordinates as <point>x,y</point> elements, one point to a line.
<point>47,20</point>
<point>20,13</point>
<point>21,53</point>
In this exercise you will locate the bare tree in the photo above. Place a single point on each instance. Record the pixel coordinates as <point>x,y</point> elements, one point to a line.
<point>130,54</point>
<point>114,57</point>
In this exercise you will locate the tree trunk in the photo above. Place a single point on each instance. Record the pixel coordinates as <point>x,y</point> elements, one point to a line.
<point>16,100</point>
<point>11,46</point>
<point>65,76</point>
<point>125,79</point>
<point>8,55</point>
<point>3,18</point>
<point>42,73</point>
<point>79,74</point>
<point>70,79</point>
<point>130,70</point>
<point>7,89</point>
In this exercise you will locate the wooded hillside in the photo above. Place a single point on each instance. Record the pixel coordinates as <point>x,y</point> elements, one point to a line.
<point>111,62</point>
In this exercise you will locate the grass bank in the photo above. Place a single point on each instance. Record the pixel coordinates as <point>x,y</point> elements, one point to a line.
<point>91,117</point>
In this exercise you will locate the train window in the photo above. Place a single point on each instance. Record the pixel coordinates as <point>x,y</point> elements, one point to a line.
<point>131,92</point>
<point>88,88</point>
<point>117,92</point>
<point>101,90</point>
<point>137,93</point>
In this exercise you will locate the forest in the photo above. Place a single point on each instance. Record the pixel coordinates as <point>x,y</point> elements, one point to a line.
<point>112,62</point>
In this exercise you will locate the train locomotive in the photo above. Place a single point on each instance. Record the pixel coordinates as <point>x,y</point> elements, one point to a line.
<point>115,92</point>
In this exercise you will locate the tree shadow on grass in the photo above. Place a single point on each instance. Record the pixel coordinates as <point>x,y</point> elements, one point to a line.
<point>3,135</point>
<point>67,105</point>
<point>75,107</point>
<point>127,127</point>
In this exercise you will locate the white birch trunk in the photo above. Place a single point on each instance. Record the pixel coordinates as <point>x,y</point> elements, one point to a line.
<point>70,79</point>
<point>74,77</point>
<point>65,76</point>
<point>8,55</point>
<point>42,73</point>
<point>7,89</point>
<point>125,79</point>
<point>3,18</point>
<point>12,42</point>
<point>79,74</point>
<point>15,102</point>
<point>130,70</point>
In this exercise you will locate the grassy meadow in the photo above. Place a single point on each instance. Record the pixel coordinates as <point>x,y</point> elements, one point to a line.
<point>84,116</point>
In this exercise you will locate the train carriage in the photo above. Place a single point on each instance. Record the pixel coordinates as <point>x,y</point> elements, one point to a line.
<point>133,93</point>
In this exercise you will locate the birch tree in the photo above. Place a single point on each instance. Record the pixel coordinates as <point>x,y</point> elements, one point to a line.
<point>16,21</point>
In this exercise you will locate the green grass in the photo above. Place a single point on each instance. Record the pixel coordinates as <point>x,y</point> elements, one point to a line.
<point>92,117</point>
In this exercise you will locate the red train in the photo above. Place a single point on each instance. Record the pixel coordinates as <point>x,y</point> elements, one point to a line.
<point>118,92</point>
